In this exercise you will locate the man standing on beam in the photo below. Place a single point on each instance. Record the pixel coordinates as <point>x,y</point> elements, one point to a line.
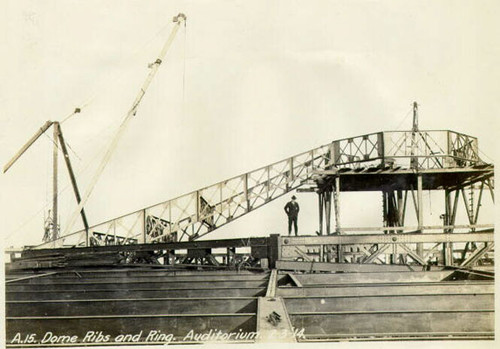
<point>292,210</point>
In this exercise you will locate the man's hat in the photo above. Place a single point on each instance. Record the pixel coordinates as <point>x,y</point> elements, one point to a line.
<point>294,197</point>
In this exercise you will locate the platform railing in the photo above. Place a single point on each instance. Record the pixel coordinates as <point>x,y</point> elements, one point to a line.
<point>431,149</point>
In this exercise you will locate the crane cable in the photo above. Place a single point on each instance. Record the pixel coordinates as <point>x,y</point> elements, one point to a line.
<point>113,80</point>
<point>102,149</point>
<point>404,118</point>
<point>184,72</point>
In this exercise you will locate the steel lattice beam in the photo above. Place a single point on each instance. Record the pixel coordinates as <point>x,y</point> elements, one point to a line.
<point>200,212</point>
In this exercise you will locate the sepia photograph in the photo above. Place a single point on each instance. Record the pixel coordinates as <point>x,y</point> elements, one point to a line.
<point>289,174</point>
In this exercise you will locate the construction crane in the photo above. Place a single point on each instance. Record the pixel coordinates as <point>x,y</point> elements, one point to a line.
<point>52,225</point>
<point>178,20</point>
<point>81,200</point>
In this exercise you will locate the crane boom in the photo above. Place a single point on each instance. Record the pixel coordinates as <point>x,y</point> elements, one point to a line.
<point>178,20</point>
<point>28,144</point>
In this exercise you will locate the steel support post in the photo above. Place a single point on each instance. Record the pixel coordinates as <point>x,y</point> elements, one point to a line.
<point>490,187</point>
<point>385,210</point>
<point>388,211</point>
<point>447,254</point>
<point>478,206</point>
<point>394,209</point>
<point>55,212</point>
<point>336,199</point>
<point>336,203</point>
<point>320,210</point>
<point>274,250</point>
<point>420,246</point>
<point>401,208</point>
<point>144,225</point>
<point>327,202</point>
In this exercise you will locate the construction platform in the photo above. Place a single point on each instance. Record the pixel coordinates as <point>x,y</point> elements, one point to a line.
<point>149,277</point>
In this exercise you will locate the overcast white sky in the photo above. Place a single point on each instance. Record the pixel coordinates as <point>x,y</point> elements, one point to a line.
<point>263,80</point>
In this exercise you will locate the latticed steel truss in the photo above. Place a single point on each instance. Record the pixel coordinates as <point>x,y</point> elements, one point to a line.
<point>431,149</point>
<point>200,212</point>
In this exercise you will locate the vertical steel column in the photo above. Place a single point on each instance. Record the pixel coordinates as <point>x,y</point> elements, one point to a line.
<point>385,215</point>
<point>336,202</point>
<point>420,246</point>
<point>144,224</point>
<point>451,222</point>
<point>392,207</point>
<point>478,206</point>
<point>55,213</point>
<point>380,147</point>
<point>450,161</point>
<point>401,208</point>
<point>447,248</point>
<point>327,202</point>
<point>414,130</point>
<point>331,157</point>
<point>274,250</point>
<point>245,191</point>
<point>320,204</point>
<point>336,198</point>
